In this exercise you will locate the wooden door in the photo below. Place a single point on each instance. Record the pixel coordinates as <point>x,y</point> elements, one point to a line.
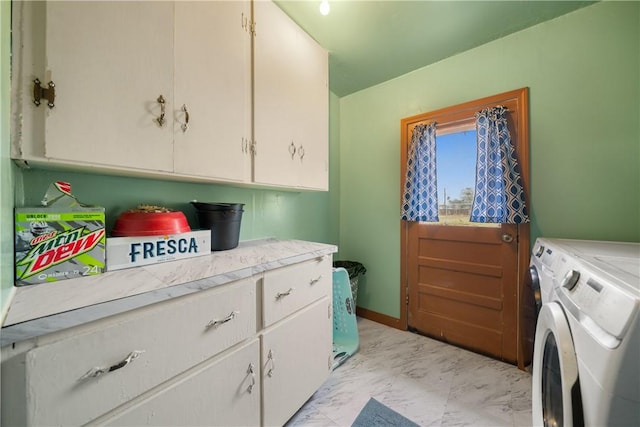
<point>462,283</point>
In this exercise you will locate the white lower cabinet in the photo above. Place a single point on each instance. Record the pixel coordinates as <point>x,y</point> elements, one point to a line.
<point>296,360</point>
<point>87,371</point>
<point>222,392</point>
<point>202,359</point>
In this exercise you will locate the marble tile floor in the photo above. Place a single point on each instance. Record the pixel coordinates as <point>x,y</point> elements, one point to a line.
<point>427,381</point>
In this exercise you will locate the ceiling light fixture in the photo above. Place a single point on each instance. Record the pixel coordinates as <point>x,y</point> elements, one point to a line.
<point>324,7</point>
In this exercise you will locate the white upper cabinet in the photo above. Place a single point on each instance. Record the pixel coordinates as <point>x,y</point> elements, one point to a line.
<point>166,89</point>
<point>109,61</point>
<point>291,96</point>
<point>213,89</point>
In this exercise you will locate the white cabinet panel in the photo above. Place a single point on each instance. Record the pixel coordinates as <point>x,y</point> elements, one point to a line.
<point>213,83</point>
<point>222,392</point>
<point>290,103</point>
<point>110,61</point>
<point>296,358</point>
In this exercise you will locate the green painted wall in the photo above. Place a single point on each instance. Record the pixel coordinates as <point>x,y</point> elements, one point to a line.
<point>301,215</point>
<point>583,71</point>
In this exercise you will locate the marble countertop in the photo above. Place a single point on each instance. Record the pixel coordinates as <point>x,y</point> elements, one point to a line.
<point>50,307</point>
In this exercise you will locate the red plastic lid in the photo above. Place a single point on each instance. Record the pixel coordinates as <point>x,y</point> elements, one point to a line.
<point>150,224</point>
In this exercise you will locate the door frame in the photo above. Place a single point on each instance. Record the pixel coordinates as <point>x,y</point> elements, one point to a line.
<point>459,116</point>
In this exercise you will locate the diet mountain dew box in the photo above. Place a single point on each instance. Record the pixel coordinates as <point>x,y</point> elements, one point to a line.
<point>62,239</point>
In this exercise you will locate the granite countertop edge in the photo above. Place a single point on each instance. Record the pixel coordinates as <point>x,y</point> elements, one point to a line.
<point>245,261</point>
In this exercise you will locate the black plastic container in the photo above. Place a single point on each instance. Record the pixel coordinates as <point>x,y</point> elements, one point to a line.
<point>223,219</point>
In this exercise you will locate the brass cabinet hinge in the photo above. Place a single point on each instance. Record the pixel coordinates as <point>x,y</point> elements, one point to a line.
<point>48,93</point>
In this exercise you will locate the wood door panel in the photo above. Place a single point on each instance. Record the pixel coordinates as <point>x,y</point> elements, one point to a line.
<point>478,313</point>
<point>460,281</point>
<point>483,247</point>
<point>460,297</point>
<point>457,266</point>
<point>466,335</point>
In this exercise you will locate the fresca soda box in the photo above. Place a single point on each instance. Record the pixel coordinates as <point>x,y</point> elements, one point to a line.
<point>62,239</point>
<point>126,252</point>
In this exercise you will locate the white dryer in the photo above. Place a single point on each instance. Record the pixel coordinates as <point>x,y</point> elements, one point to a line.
<point>586,365</point>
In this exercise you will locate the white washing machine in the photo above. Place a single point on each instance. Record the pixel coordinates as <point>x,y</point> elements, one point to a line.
<point>541,269</point>
<point>586,364</point>
<point>538,290</point>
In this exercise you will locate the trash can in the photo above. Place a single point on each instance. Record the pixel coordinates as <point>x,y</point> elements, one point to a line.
<point>354,269</point>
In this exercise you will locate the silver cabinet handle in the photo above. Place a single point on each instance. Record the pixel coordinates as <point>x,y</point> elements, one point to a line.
<point>251,372</point>
<point>301,152</point>
<point>98,371</point>
<point>281,295</point>
<point>185,125</point>
<point>292,150</point>
<point>270,361</point>
<point>162,103</point>
<point>314,281</point>
<point>215,323</point>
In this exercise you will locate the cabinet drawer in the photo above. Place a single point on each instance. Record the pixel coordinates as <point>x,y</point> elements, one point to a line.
<point>171,337</point>
<point>224,391</point>
<point>289,289</point>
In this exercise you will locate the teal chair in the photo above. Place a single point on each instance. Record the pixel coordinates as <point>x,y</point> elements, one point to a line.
<point>345,324</point>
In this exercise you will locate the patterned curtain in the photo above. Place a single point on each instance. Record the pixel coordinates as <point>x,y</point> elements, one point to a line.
<point>420,198</point>
<point>499,195</point>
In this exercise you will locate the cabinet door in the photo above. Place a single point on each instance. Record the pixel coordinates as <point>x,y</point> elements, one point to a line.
<point>296,360</point>
<point>290,102</point>
<point>311,132</point>
<point>110,61</point>
<point>222,392</point>
<point>213,84</point>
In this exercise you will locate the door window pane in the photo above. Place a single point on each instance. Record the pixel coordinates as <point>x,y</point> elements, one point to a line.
<point>456,166</point>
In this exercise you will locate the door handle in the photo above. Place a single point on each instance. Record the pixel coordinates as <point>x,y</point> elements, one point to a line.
<point>507,238</point>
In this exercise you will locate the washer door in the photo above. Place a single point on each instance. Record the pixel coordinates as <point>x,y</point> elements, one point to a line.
<point>556,390</point>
